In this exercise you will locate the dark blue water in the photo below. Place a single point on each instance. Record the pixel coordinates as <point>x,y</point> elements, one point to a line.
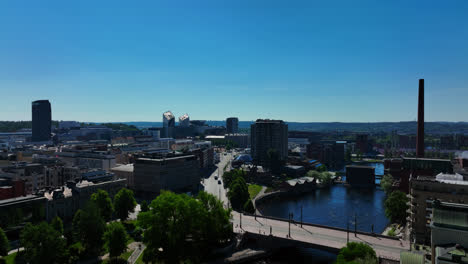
<point>335,206</point>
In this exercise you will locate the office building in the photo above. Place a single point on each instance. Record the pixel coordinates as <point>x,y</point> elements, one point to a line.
<point>153,173</point>
<point>232,125</point>
<point>168,124</point>
<point>449,232</point>
<point>360,176</point>
<point>268,134</point>
<point>362,143</point>
<point>184,121</point>
<point>451,188</point>
<point>41,121</point>
<point>240,140</point>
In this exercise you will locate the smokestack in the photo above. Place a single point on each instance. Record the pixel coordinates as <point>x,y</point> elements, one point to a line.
<point>420,135</point>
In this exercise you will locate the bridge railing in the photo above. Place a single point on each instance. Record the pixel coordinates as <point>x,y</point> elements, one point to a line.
<point>351,231</point>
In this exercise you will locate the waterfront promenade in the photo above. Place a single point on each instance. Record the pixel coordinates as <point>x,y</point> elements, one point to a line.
<point>317,236</point>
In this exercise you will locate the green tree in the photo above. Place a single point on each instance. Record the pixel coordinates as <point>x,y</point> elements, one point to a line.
<point>356,252</point>
<point>183,227</point>
<point>249,207</point>
<point>90,228</point>
<point>238,193</point>
<point>124,203</point>
<point>230,176</point>
<point>43,244</point>
<point>386,183</point>
<point>57,224</point>
<point>144,206</point>
<point>396,206</point>
<point>4,245</point>
<point>116,239</point>
<point>322,168</point>
<point>76,225</point>
<point>104,203</point>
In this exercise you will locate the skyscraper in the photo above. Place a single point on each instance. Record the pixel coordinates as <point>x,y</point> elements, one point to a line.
<point>41,120</point>
<point>268,134</point>
<point>184,121</point>
<point>168,123</point>
<point>232,125</point>
<point>420,135</point>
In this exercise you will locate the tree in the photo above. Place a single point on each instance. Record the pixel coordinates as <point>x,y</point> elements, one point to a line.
<point>396,206</point>
<point>354,252</point>
<point>144,206</point>
<point>90,228</point>
<point>76,225</point>
<point>104,203</point>
<point>230,176</point>
<point>43,244</point>
<point>322,168</point>
<point>124,203</point>
<point>116,239</point>
<point>249,207</point>
<point>57,224</point>
<point>386,183</point>
<point>4,245</point>
<point>238,193</point>
<point>180,228</point>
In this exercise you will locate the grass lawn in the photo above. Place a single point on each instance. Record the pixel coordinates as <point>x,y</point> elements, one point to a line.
<point>269,189</point>
<point>10,259</point>
<point>254,189</point>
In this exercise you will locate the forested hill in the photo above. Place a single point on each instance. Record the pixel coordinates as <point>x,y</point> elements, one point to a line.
<point>400,127</point>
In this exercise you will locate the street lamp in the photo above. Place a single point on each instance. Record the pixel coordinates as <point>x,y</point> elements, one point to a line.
<point>301,215</point>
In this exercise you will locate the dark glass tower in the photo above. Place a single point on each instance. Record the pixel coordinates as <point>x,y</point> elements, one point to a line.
<point>232,125</point>
<point>41,120</point>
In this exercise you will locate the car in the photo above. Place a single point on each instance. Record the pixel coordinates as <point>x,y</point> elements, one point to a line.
<point>219,181</point>
<point>216,177</point>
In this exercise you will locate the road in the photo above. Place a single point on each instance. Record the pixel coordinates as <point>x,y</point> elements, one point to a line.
<point>212,186</point>
<point>384,247</point>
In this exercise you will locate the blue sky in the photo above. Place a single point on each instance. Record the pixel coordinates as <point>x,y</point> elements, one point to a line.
<point>292,60</point>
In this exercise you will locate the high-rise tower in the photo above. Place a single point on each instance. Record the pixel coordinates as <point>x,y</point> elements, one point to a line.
<point>41,120</point>
<point>420,135</point>
<point>232,125</point>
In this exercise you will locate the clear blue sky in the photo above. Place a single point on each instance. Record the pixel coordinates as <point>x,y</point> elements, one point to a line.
<point>292,60</point>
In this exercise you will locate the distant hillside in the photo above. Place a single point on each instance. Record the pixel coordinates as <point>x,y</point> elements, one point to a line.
<point>402,127</point>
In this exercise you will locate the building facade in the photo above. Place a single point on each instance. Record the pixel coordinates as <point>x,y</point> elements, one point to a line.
<point>41,121</point>
<point>424,190</point>
<point>177,174</point>
<point>268,134</point>
<point>360,176</point>
<point>232,125</point>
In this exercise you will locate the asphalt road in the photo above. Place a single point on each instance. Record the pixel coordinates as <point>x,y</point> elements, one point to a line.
<point>212,186</point>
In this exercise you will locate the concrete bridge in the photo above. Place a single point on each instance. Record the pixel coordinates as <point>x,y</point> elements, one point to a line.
<point>276,232</point>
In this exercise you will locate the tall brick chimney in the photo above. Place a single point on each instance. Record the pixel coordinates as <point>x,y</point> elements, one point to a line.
<point>420,135</point>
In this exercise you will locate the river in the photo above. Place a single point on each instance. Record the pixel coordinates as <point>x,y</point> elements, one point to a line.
<point>334,206</point>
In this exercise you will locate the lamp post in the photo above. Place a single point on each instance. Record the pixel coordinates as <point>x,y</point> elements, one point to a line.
<point>289,229</point>
<point>355,225</point>
<point>301,215</point>
<point>240,224</point>
<point>347,232</point>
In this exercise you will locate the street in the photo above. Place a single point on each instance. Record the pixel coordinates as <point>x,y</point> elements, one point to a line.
<point>211,184</point>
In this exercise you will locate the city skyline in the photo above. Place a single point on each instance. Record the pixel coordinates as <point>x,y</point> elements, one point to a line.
<point>299,62</point>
